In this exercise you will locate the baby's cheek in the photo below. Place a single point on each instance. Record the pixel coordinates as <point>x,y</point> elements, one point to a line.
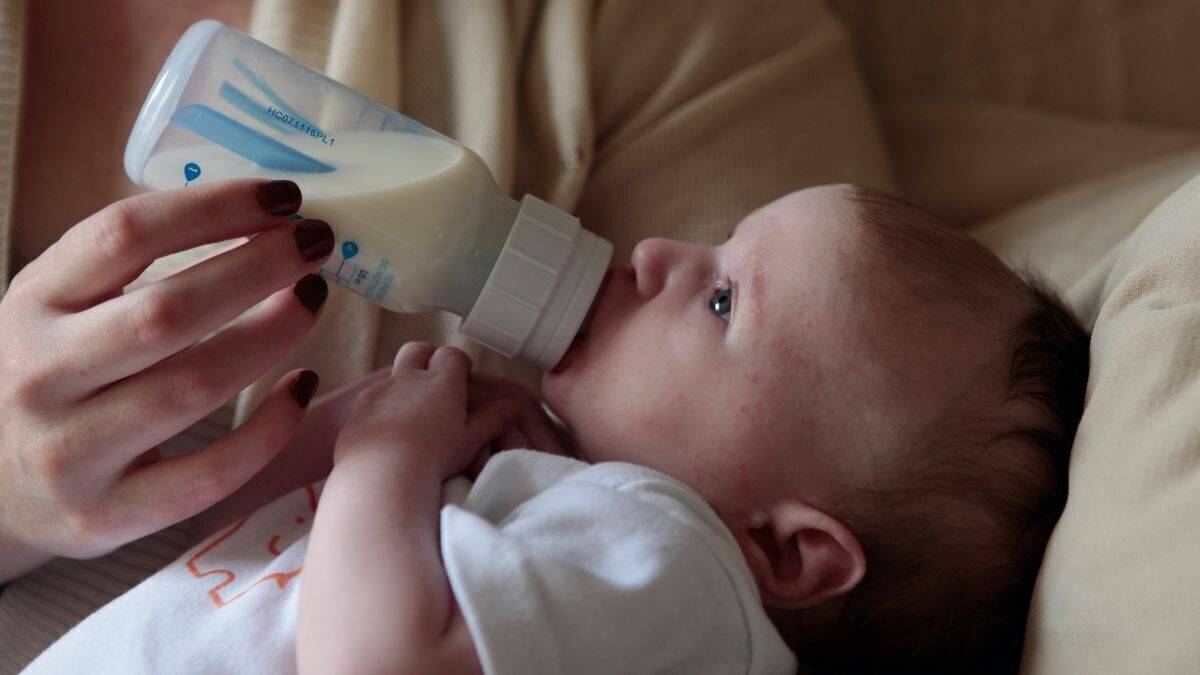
<point>741,484</point>
<point>677,415</point>
<point>663,418</point>
<point>660,413</point>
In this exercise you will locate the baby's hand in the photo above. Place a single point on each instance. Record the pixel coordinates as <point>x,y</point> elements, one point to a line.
<point>533,428</point>
<point>419,414</point>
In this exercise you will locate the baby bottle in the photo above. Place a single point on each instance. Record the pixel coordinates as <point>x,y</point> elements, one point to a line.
<point>419,220</point>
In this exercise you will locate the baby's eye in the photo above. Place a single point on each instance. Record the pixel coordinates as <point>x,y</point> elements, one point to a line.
<point>721,303</point>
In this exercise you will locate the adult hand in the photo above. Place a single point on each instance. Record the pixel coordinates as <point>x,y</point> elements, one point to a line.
<point>94,375</point>
<point>306,459</point>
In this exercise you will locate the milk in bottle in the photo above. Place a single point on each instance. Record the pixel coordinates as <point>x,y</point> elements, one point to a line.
<point>419,220</point>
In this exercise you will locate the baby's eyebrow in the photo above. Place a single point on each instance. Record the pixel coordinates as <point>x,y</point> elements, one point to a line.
<point>750,281</point>
<point>755,289</point>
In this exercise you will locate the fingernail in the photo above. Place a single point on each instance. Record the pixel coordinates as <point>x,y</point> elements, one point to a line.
<point>312,291</point>
<point>314,238</point>
<point>279,197</point>
<point>303,386</point>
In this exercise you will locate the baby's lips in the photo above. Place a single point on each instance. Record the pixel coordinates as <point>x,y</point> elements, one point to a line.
<point>581,335</point>
<point>591,313</point>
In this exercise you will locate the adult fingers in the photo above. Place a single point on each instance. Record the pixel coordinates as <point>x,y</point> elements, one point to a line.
<point>157,495</point>
<point>412,356</point>
<point>307,458</point>
<point>124,335</point>
<point>165,267</point>
<point>156,403</point>
<point>110,248</point>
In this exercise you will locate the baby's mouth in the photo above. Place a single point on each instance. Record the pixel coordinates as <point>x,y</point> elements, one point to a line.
<point>581,335</point>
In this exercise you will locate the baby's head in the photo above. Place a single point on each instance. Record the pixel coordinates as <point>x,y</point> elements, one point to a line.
<point>877,407</point>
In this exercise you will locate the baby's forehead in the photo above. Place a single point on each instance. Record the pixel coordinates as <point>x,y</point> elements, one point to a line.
<point>810,238</point>
<point>864,274</point>
<point>800,228</point>
<point>828,206</point>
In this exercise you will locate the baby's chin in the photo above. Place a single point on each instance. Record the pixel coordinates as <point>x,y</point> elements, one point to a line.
<point>558,386</point>
<point>552,386</point>
<point>554,395</point>
<point>563,394</point>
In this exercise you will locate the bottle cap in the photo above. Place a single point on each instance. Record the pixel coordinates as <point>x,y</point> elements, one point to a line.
<point>542,286</point>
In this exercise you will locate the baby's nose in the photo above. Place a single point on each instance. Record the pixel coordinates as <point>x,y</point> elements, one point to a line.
<point>651,262</point>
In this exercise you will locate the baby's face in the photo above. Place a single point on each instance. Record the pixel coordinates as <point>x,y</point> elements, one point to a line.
<point>778,361</point>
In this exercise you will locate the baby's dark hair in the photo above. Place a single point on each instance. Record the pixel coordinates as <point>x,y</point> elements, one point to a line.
<point>954,539</point>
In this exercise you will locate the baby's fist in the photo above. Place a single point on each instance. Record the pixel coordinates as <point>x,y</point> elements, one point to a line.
<point>419,414</point>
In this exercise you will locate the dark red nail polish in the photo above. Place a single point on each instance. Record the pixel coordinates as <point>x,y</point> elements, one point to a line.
<point>279,197</point>
<point>314,238</point>
<point>312,291</point>
<point>303,386</point>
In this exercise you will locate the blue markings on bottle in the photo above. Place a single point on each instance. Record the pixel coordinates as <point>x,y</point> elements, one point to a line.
<point>349,250</point>
<point>191,171</point>
<point>241,139</point>
<point>371,284</point>
<point>262,86</point>
<point>252,108</point>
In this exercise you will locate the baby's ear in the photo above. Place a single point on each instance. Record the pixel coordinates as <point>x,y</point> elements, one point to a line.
<point>800,556</point>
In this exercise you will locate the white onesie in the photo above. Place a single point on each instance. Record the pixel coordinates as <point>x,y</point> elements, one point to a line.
<point>558,566</point>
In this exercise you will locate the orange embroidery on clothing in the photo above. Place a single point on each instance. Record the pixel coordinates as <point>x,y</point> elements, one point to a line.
<point>281,579</point>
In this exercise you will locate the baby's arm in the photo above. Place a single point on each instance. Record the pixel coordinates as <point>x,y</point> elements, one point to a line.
<point>374,596</point>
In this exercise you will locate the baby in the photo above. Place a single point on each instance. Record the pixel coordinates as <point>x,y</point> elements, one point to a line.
<point>878,411</point>
<point>838,440</point>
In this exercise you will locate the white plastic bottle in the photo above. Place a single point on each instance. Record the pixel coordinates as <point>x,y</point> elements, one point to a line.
<point>419,220</point>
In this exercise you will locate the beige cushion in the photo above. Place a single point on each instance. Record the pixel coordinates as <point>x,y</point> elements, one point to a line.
<point>1119,590</point>
<point>985,104</point>
<point>1071,237</point>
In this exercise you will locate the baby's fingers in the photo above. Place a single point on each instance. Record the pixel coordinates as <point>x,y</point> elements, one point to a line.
<point>513,439</point>
<point>489,422</point>
<point>452,363</point>
<point>165,492</point>
<point>412,356</point>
